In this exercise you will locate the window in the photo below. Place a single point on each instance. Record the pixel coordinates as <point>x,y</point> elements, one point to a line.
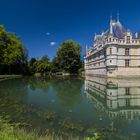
<point>110,61</point>
<point>127,102</point>
<point>127,51</point>
<point>111,103</point>
<point>110,51</point>
<point>127,62</point>
<point>127,91</point>
<point>128,39</point>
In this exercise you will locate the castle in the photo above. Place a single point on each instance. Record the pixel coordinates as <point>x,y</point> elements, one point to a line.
<point>115,53</point>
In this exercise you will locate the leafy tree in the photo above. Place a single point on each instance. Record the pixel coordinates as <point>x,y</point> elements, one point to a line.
<point>39,66</point>
<point>45,58</point>
<point>32,61</point>
<point>32,65</point>
<point>42,67</point>
<point>69,56</point>
<point>54,65</point>
<point>13,55</point>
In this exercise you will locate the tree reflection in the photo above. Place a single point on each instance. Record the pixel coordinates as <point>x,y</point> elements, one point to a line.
<point>68,91</point>
<point>13,97</point>
<point>39,83</point>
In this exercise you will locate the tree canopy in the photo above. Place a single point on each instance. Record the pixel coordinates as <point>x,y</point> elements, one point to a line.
<point>13,55</point>
<point>39,66</point>
<point>69,56</point>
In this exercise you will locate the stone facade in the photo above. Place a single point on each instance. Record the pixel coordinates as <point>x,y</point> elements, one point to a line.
<point>115,53</point>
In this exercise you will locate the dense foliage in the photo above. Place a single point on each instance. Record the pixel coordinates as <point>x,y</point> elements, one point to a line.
<point>67,59</point>
<point>39,66</point>
<point>13,55</point>
<point>69,56</point>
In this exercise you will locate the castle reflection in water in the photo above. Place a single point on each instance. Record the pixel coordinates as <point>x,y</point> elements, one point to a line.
<point>117,97</point>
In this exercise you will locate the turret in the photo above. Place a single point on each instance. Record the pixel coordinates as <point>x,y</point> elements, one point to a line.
<point>111,28</point>
<point>86,50</point>
<point>118,17</point>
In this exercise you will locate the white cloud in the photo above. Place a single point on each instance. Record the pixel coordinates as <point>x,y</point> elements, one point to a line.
<point>52,43</point>
<point>48,33</point>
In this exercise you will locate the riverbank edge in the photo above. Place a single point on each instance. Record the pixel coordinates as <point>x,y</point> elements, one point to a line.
<point>10,132</point>
<point>8,77</point>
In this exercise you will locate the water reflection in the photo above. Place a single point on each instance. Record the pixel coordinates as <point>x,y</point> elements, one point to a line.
<point>118,100</point>
<point>43,104</point>
<point>68,91</point>
<point>73,106</point>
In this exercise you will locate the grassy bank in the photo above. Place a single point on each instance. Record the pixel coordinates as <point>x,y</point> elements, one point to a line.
<point>7,77</point>
<point>9,132</point>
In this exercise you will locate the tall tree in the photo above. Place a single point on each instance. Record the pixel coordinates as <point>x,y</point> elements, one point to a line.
<point>69,56</point>
<point>13,55</point>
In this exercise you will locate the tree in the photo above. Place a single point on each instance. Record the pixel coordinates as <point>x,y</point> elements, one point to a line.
<point>39,66</point>
<point>54,65</point>
<point>69,56</point>
<point>32,65</point>
<point>45,58</point>
<point>13,55</point>
<point>42,67</point>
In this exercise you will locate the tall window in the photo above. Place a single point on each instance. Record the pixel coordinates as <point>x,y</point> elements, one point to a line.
<point>110,51</point>
<point>127,51</point>
<point>127,61</point>
<point>128,39</point>
<point>127,91</point>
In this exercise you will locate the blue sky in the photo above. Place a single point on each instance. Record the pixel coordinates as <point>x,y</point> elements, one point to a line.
<point>43,25</point>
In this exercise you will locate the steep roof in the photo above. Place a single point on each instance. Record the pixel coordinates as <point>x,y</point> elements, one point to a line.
<point>118,29</point>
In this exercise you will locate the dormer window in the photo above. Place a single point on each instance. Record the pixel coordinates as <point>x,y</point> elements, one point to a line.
<point>128,39</point>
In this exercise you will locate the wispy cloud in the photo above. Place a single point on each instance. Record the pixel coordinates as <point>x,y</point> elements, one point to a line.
<point>48,33</point>
<point>52,43</point>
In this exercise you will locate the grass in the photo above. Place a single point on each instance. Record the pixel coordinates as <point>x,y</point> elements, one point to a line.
<point>9,132</point>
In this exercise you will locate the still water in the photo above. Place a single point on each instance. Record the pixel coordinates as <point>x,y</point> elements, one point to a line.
<point>72,106</point>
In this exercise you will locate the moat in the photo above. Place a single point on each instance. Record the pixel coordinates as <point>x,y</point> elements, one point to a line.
<point>73,106</point>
